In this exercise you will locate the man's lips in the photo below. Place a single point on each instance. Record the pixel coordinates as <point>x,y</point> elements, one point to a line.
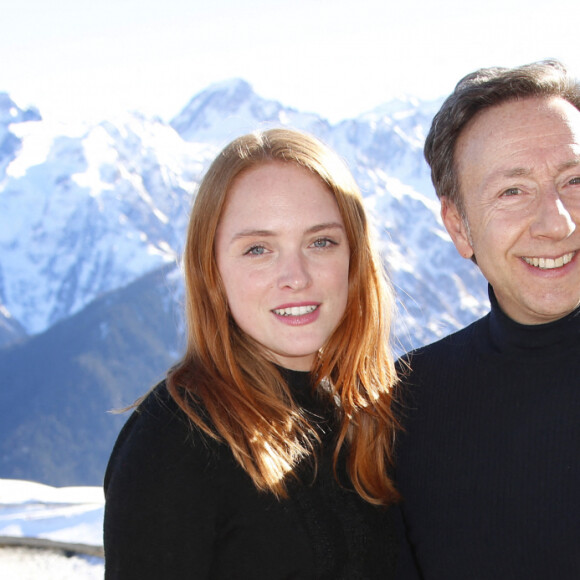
<point>549,263</point>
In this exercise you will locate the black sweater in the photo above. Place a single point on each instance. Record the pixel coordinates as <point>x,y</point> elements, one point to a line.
<point>179,507</point>
<point>489,466</point>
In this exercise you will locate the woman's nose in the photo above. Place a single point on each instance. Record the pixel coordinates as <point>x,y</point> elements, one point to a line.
<point>294,271</point>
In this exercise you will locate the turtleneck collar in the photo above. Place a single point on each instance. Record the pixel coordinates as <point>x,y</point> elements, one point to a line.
<point>297,380</point>
<point>510,337</point>
<point>300,383</point>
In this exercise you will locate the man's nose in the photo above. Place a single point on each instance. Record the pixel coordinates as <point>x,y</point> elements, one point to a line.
<point>552,219</point>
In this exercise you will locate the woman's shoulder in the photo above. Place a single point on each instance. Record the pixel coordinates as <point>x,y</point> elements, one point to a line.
<point>159,436</point>
<point>158,406</point>
<point>165,481</point>
<point>157,413</point>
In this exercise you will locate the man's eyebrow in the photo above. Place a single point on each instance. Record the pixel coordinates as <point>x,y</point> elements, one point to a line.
<point>525,171</point>
<point>569,164</point>
<point>504,173</point>
<point>517,172</point>
<point>258,233</point>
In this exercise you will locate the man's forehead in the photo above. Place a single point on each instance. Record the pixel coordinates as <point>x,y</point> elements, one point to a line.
<point>512,137</point>
<point>531,111</point>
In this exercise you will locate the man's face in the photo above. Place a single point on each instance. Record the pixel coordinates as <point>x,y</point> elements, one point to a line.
<point>519,175</point>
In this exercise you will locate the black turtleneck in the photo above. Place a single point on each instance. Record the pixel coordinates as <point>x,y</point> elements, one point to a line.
<point>489,464</point>
<point>179,507</point>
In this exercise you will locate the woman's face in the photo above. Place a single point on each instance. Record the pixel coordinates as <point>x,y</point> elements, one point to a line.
<point>283,256</point>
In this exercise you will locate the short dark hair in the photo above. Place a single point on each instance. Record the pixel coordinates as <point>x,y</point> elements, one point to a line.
<point>484,88</point>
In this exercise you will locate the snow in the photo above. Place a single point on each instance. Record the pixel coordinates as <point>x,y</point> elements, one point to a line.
<point>67,248</point>
<point>87,209</point>
<point>30,564</point>
<point>69,515</point>
<point>109,203</point>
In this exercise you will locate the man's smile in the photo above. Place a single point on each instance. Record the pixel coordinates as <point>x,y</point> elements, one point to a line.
<point>549,263</point>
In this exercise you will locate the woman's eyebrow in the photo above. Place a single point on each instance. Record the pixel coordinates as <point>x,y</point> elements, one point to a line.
<point>252,234</point>
<point>260,233</point>
<point>326,226</point>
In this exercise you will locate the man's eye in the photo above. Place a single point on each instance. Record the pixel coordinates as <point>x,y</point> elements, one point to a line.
<point>511,192</point>
<point>574,181</point>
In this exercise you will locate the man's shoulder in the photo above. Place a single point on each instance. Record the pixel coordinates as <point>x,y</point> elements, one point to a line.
<point>453,346</point>
<point>429,370</point>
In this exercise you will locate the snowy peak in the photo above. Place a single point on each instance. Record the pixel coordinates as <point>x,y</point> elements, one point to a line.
<point>102,208</point>
<point>111,203</point>
<point>225,99</point>
<point>227,96</point>
<point>404,106</point>
<point>389,138</point>
<point>10,144</point>
<point>10,112</point>
<point>231,108</point>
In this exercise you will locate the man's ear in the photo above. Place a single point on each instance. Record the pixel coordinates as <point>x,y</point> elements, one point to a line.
<point>456,227</point>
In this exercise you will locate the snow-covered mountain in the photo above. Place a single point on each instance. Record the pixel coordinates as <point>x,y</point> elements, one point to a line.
<point>10,144</point>
<point>87,210</point>
<point>82,214</point>
<point>92,224</point>
<point>228,109</point>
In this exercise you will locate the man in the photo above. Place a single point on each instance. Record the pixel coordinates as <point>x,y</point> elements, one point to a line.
<point>489,458</point>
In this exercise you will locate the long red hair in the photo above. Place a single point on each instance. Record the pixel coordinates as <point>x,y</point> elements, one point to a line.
<point>229,386</point>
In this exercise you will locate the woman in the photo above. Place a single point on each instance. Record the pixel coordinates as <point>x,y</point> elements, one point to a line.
<point>266,451</point>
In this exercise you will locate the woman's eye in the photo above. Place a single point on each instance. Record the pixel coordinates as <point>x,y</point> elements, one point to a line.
<point>256,251</point>
<point>574,181</point>
<point>323,243</point>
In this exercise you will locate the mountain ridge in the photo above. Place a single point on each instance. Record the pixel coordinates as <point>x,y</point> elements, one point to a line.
<point>106,206</point>
<point>92,227</point>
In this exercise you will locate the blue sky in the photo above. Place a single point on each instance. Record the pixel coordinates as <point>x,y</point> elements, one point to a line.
<point>81,59</point>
